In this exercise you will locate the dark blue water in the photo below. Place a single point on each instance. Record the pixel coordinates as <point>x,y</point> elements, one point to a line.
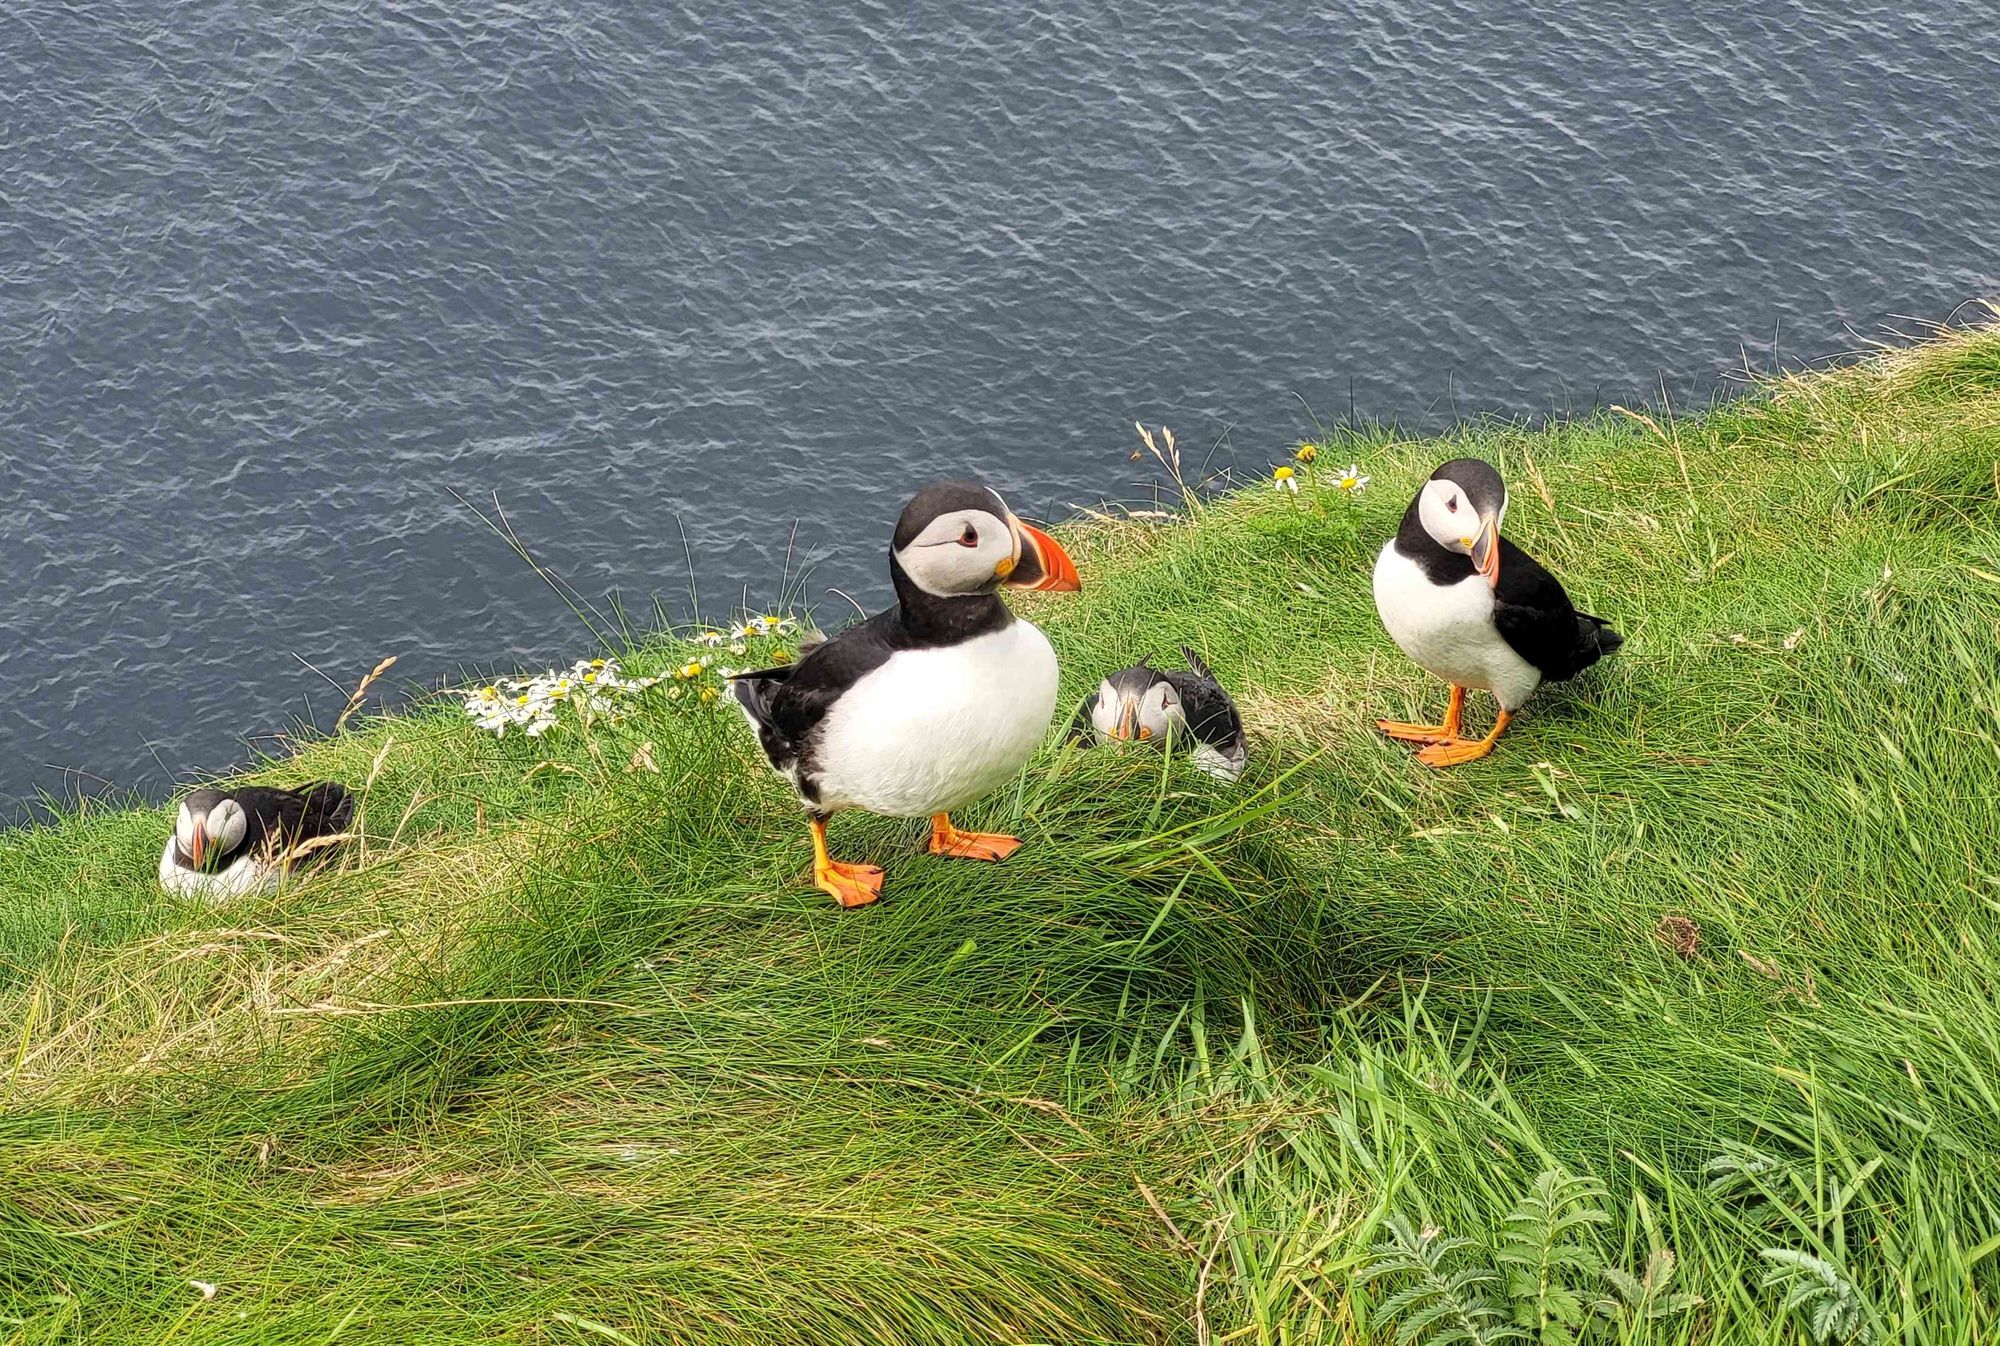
<point>277,280</point>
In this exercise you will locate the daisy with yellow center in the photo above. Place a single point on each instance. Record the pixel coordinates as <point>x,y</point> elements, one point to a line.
<point>592,688</point>
<point>1285,478</point>
<point>1351,479</point>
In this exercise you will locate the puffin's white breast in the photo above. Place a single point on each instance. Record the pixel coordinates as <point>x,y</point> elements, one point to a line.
<point>243,875</point>
<point>1448,629</point>
<point>934,729</point>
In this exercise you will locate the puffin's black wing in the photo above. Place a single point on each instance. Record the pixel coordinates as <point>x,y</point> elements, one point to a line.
<point>1534,616</point>
<point>787,703</point>
<point>284,818</point>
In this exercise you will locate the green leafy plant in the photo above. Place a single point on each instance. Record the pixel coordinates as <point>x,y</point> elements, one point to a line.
<point>1820,1293</point>
<point>1545,1261</point>
<point>1547,1251</point>
<point>1436,1304</point>
<point>1646,1297</point>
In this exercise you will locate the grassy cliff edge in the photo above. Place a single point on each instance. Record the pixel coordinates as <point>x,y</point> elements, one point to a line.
<point>1675,1020</point>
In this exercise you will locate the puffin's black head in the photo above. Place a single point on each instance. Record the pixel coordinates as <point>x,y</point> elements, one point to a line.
<point>959,538</point>
<point>1136,702</point>
<point>209,829</point>
<point>1461,507</point>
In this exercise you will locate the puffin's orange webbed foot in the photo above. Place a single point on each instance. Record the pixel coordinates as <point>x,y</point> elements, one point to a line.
<point>1414,733</point>
<point>1458,751</point>
<point>850,885</point>
<point>949,840</point>
<point>1429,733</point>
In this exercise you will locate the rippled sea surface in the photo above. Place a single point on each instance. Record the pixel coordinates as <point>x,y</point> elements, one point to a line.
<point>278,284</point>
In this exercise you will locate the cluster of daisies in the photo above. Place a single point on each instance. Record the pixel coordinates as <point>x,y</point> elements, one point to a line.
<point>1285,476</point>
<point>737,637</point>
<point>597,689</point>
<point>592,686</point>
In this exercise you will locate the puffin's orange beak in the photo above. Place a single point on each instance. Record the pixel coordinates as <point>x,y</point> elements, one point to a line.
<point>1486,549</point>
<point>200,845</point>
<point>1042,564</point>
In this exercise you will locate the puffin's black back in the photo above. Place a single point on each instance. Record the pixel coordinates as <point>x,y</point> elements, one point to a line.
<point>1211,715</point>
<point>1534,615</point>
<point>320,809</point>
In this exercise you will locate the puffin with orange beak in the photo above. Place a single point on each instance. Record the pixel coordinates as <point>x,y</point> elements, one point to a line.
<point>927,706</point>
<point>1472,608</point>
<point>1143,704</point>
<point>230,843</point>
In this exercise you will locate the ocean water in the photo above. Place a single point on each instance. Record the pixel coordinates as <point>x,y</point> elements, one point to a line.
<point>285,290</point>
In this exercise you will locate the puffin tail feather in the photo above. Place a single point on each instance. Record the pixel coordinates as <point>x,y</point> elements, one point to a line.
<point>1596,638</point>
<point>329,807</point>
<point>752,691</point>
<point>755,693</point>
<point>1196,664</point>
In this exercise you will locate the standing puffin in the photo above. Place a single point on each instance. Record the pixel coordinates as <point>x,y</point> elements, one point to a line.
<point>1155,704</point>
<point>1476,610</point>
<point>924,707</point>
<point>227,843</point>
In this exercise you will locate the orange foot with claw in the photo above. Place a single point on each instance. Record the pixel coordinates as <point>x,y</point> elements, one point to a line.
<point>1429,733</point>
<point>1457,751</point>
<point>949,840</point>
<point>850,885</point>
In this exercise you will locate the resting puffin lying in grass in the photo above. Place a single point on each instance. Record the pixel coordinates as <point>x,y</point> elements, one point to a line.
<point>228,843</point>
<point>924,707</point>
<point>1474,609</point>
<point>1148,704</point>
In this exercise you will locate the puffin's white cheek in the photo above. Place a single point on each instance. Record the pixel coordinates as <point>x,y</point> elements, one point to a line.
<point>184,826</point>
<point>227,831</point>
<point>1104,710</point>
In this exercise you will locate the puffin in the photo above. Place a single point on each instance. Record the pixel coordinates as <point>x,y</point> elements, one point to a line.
<point>1474,609</point>
<point>929,704</point>
<point>1145,704</point>
<point>229,843</point>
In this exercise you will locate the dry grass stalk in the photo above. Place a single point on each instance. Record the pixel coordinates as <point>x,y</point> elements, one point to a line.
<point>354,702</point>
<point>311,844</point>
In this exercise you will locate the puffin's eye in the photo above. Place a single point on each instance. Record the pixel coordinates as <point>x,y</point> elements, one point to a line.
<point>969,538</point>
<point>1452,504</point>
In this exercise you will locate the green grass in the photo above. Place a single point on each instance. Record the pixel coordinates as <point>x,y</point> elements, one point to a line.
<point>566,1052</point>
